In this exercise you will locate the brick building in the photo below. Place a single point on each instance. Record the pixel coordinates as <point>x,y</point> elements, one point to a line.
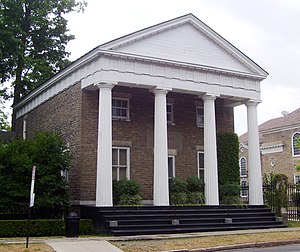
<point>278,149</point>
<point>147,106</point>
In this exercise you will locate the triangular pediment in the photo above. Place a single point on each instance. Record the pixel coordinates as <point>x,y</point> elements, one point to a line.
<point>188,40</point>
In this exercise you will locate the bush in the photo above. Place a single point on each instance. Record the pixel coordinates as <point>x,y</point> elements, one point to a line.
<point>195,184</point>
<point>178,198</point>
<point>53,227</point>
<point>177,185</point>
<point>130,200</point>
<point>186,192</point>
<point>230,194</point>
<point>126,192</point>
<point>195,198</point>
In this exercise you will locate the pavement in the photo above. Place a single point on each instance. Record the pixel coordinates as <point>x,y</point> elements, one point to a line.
<point>102,244</point>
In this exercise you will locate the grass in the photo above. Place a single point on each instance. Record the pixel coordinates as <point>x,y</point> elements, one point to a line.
<point>205,242</point>
<point>22,248</point>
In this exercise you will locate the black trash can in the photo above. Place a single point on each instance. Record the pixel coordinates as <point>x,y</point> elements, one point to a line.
<point>72,225</point>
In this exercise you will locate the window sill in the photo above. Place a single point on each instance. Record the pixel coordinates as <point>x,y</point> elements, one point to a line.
<point>171,123</point>
<point>121,120</point>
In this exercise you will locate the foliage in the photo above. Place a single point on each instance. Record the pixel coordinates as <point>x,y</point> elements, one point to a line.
<point>177,185</point>
<point>186,192</point>
<point>46,227</point>
<point>4,125</point>
<point>33,37</point>
<point>126,192</point>
<point>298,145</point>
<point>228,168</point>
<point>130,200</point>
<point>230,194</point>
<point>195,198</point>
<point>275,191</point>
<point>194,184</point>
<point>49,154</point>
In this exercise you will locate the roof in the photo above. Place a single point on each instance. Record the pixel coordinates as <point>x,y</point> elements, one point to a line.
<point>291,119</point>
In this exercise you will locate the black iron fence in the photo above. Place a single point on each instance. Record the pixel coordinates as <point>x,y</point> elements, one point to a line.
<point>280,200</point>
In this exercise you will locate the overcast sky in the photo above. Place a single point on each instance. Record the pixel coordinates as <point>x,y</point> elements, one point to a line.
<point>267,31</point>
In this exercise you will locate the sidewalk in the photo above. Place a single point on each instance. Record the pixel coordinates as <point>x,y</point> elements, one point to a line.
<point>101,244</point>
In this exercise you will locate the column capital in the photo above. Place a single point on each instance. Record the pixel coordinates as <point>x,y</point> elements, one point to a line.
<point>252,103</point>
<point>163,91</point>
<point>209,97</point>
<point>107,84</point>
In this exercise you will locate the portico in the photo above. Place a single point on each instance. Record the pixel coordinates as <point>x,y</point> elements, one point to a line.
<point>179,65</point>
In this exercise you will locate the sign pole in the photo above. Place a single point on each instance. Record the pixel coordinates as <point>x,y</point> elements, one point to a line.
<point>31,203</point>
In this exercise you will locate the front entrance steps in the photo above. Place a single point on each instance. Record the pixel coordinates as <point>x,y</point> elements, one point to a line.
<point>141,220</point>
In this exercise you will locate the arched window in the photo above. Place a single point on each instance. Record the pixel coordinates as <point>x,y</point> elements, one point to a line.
<point>243,167</point>
<point>295,148</point>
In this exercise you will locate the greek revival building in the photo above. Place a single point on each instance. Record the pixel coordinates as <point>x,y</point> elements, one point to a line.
<point>148,106</point>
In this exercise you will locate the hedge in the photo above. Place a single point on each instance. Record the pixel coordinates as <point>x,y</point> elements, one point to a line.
<point>48,227</point>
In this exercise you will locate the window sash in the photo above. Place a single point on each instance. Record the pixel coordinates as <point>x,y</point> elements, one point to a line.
<point>120,108</point>
<point>170,113</point>
<point>243,167</point>
<point>200,116</point>
<point>200,164</point>
<point>121,163</point>
<point>295,149</point>
<point>244,189</point>
<point>171,166</point>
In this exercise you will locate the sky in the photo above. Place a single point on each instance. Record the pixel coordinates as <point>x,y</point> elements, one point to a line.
<point>267,31</point>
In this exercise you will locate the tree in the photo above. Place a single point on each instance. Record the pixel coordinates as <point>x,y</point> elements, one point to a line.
<point>50,155</point>
<point>228,167</point>
<point>33,37</point>
<point>4,125</point>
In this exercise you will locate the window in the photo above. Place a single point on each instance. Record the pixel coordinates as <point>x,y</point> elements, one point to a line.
<point>170,113</point>
<point>295,141</point>
<point>200,159</point>
<point>171,166</point>
<point>297,179</point>
<point>120,163</point>
<point>244,189</point>
<point>120,108</point>
<point>243,167</point>
<point>199,116</point>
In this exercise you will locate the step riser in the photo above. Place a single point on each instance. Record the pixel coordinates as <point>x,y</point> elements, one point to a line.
<point>152,220</point>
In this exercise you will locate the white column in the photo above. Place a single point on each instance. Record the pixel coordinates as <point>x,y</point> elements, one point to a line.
<point>161,180</point>
<point>104,152</point>
<point>210,152</point>
<point>254,165</point>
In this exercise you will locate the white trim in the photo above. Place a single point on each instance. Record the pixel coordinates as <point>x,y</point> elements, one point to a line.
<point>24,131</point>
<point>295,181</point>
<point>128,161</point>
<point>246,167</point>
<point>280,129</point>
<point>122,118</point>
<point>247,191</point>
<point>173,165</point>
<point>198,24</point>
<point>199,116</point>
<point>171,105</point>
<point>293,149</point>
<point>271,149</point>
<point>198,163</point>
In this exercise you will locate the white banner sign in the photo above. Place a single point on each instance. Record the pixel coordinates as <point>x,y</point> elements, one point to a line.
<point>32,195</point>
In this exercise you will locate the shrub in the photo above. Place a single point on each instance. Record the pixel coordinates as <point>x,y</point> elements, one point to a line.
<point>230,194</point>
<point>177,185</point>
<point>127,191</point>
<point>195,184</point>
<point>47,227</point>
<point>130,200</point>
<point>195,198</point>
<point>186,192</point>
<point>178,198</point>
